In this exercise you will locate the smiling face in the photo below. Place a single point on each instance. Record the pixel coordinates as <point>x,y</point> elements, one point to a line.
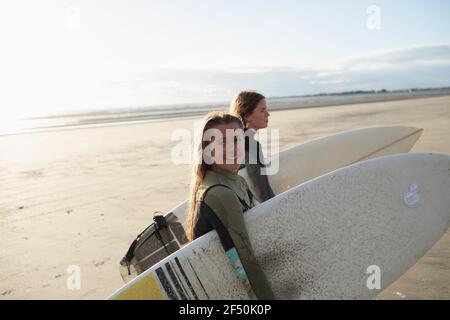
<point>259,118</point>
<point>226,148</point>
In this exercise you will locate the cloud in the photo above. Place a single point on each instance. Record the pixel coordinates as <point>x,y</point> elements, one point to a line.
<point>409,55</point>
<point>420,66</point>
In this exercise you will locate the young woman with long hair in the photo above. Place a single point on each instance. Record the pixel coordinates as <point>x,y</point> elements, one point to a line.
<point>251,108</point>
<point>219,198</point>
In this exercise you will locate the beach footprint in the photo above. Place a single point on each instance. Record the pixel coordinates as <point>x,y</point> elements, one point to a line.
<point>88,293</point>
<point>102,262</point>
<point>7,292</point>
<point>32,174</point>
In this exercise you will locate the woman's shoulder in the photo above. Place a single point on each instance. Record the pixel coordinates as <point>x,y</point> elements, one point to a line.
<point>218,192</point>
<point>250,138</point>
<point>242,181</point>
<point>253,150</point>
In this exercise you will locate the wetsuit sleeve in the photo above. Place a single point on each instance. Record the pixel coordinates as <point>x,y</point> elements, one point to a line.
<point>228,210</point>
<point>259,182</point>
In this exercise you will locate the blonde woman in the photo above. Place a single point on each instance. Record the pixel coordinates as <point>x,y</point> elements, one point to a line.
<point>219,198</point>
<point>251,108</point>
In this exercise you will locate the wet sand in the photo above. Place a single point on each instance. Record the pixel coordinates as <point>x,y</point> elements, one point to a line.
<point>79,197</point>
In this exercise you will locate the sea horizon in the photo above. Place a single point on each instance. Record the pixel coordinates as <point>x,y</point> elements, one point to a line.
<point>141,114</point>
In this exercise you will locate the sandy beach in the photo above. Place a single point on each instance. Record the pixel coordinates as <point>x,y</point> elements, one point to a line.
<point>79,197</point>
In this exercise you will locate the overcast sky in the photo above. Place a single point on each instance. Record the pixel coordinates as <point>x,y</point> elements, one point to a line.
<point>73,55</point>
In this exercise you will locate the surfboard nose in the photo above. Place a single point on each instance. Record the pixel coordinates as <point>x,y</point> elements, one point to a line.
<point>415,133</point>
<point>417,130</point>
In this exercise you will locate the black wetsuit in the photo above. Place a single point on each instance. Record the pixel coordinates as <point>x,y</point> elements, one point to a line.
<point>254,164</point>
<point>222,208</point>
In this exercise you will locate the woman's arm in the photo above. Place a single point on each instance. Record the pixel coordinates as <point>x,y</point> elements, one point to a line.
<point>259,182</point>
<point>232,232</point>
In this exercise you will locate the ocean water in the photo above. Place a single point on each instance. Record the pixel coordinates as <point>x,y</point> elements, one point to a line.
<point>159,113</point>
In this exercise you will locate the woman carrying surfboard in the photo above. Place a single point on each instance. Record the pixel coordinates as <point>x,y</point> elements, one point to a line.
<point>251,108</point>
<point>219,198</point>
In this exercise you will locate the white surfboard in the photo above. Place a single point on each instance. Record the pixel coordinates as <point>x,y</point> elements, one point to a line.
<point>311,159</point>
<point>316,157</point>
<point>301,163</point>
<point>332,237</point>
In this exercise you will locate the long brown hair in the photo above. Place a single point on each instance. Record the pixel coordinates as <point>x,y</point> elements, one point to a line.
<point>199,166</point>
<point>243,104</point>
